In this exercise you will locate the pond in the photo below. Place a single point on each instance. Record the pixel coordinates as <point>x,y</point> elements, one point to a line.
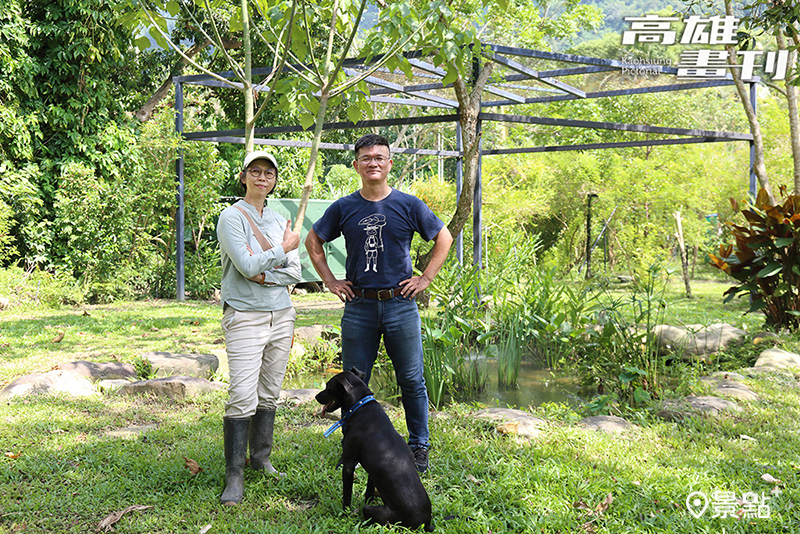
<point>536,386</point>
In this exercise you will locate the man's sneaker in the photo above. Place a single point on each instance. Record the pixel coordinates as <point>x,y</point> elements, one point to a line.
<point>420,458</point>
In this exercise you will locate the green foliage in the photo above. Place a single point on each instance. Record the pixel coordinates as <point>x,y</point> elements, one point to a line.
<point>39,288</point>
<point>621,356</point>
<point>94,230</point>
<point>28,229</point>
<point>765,259</point>
<point>453,337</point>
<point>511,310</point>
<point>144,368</point>
<point>339,182</point>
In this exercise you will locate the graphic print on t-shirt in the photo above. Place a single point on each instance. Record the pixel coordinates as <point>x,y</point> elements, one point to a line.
<point>373,226</point>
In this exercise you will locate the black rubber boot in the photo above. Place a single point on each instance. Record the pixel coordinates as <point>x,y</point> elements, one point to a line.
<point>234,431</point>
<point>262,426</point>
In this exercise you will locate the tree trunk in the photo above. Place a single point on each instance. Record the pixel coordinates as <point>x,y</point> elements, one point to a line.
<point>468,110</point>
<point>329,74</point>
<point>249,97</point>
<point>308,187</point>
<point>759,167</point>
<point>145,113</point>
<point>791,101</point>
<point>684,259</point>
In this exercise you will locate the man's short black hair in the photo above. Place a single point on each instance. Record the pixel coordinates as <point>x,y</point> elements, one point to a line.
<point>366,141</point>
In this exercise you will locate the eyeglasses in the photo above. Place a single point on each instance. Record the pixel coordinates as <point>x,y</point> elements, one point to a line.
<point>256,172</point>
<point>380,160</point>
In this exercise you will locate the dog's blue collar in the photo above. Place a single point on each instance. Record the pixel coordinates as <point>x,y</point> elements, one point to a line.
<point>347,415</point>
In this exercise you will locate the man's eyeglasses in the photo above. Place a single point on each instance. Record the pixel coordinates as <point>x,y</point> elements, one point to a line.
<point>380,160</point>
<point>256,172</point>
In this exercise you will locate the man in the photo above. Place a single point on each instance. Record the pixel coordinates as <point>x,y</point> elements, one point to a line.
<point>378,223</point>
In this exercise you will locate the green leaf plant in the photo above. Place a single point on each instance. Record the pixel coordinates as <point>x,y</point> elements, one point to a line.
<point>765,259</point>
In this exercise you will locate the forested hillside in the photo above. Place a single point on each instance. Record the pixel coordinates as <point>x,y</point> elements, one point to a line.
<point>87,193</point>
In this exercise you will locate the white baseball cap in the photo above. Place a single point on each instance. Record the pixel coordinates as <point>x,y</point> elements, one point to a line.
<point>259,154</point>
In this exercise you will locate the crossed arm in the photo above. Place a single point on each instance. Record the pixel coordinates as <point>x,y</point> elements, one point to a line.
<point>409,288</point>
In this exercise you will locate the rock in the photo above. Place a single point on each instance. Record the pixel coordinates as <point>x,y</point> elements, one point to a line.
<point>4,303</point>
<point>131,432</point>
<point>513,421</point>
<point>173,387</point>
<point>608,424</point>
<point>311,335</point>
<point>693,405</point>
<point>111,386</point>
<point>297,351</point>
<point>730,388</point>
<point>778,359</point>
<point>697,340</point>
<point>298,396</point>
<point>58,381</point>
<point>764,338</point>
<point>172,364</point>
<point>728,375</point>
<point>100,371</point>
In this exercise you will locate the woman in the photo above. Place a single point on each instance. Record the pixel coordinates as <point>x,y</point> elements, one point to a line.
<point>259,259</point>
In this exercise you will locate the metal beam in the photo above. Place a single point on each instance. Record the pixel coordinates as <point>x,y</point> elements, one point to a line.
<point>401,89</point>
<point>642,128</point>
<point>377,123</point>
<point>519,67</point>
<point>427,67</point>
<point>596,146</point>
<point>180,286</point>
<point>502,92</point>
<point>406,102</point>
<point>617,92</point>
<point>326,146</point>
<point>555,56</point>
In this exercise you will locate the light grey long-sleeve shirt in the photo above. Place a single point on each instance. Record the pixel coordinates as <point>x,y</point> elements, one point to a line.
<point>279,268</point>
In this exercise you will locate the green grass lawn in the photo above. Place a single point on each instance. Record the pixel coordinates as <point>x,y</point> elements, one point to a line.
<point>69,474</point>
<point>62,472</point>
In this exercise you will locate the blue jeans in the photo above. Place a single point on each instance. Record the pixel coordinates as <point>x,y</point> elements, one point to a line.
<point>397,320</point>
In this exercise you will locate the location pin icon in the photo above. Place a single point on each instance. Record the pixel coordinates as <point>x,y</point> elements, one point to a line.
<point>696,503</point>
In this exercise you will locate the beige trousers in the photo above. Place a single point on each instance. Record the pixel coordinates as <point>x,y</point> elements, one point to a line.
<point>258,346</point>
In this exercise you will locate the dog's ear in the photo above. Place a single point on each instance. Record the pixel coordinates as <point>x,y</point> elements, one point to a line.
<point>359,373</point>
<point>346,385</point>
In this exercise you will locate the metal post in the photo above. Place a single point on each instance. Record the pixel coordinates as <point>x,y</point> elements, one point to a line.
<point>180,291</point>
<point>440,162</point>
<point>589,234</point>
<point>477,223</point>
<point>459,185</point>
<point>753,180</point>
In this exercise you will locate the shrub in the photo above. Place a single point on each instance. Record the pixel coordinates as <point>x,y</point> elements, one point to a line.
<point>765,259</point>
<point>621,357</point>
<point>35,286</point>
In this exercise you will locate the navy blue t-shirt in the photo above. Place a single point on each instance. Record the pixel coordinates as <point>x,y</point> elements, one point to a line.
<point>378,235</point>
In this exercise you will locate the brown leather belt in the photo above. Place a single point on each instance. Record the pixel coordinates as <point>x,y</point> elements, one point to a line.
<point>379,294</point>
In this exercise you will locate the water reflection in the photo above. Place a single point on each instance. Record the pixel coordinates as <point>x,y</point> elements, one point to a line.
<point>536,386</point>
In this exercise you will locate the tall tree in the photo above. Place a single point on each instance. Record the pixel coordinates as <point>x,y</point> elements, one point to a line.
<point>312,82</point>
<point>759,165</point>
<point>781,20</point>
<point>153,16</point>
<point>531,23</point>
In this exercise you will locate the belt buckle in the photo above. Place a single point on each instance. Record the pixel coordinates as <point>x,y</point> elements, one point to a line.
<point>388,292</point>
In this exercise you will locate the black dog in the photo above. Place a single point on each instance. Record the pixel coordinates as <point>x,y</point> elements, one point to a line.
<point>371,440</point>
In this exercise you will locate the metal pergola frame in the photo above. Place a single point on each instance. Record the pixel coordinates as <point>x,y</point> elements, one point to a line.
<point>385,90</point>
